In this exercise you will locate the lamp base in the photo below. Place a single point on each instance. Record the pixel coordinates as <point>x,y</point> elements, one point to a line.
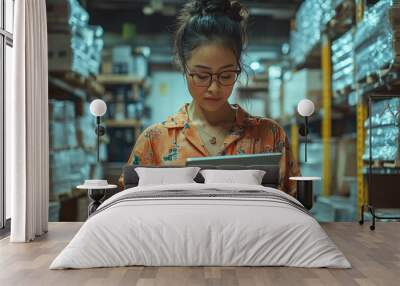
<point>305,193</point>
<point>96,195</point>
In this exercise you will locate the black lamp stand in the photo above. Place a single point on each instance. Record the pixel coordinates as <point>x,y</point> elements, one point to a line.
<point>96,195</point>
<point>304,186</point>
<point>304,132</point>
<point>100,131</point>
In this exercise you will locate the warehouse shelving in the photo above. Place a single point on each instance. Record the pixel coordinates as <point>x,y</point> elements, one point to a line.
<point>386,84</point>
<point>124,94</point>
<point>334,104</point>
<point>67,92</point>
<point>312,59</point>
<point>123,123</point>
<point>343,19</point>
<point>117,79</point>
<point>74,160</point>
<point>326,119</point>
<point>379,173</point>
<point>381,84</point>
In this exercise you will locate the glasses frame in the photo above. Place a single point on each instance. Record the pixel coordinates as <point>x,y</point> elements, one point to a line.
<point>211,77</point>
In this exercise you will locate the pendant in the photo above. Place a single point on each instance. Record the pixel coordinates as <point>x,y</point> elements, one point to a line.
<point>213,140</point>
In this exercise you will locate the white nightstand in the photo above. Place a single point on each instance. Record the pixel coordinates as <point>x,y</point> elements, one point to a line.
<point>304,192</point>
<point>96,192</point>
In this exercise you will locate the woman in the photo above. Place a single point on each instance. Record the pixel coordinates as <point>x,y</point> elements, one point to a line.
<point>209,42</point>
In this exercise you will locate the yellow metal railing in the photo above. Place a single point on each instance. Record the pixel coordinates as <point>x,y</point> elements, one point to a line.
<point>361,186</point>
<point>362,194</point>
<point>326,119</point>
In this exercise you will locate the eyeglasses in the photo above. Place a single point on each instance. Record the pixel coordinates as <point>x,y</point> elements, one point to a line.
<point>225,78</point>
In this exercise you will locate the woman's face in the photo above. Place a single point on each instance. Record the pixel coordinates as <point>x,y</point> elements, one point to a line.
<point>211,59</point>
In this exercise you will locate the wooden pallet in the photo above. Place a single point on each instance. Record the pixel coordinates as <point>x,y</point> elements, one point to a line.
<point>343,20</point>
<point>382,164</point>
<point>344,90</point>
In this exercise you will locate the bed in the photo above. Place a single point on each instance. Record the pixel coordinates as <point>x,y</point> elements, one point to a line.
<point>201,224</point>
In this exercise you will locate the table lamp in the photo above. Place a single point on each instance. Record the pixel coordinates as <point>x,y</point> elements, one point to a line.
<point>98,108</point>
<point>305,108</point>
<point>305,184</point>
<point>97,188</point>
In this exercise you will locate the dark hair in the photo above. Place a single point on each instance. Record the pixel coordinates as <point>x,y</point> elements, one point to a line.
<point>210,21</point>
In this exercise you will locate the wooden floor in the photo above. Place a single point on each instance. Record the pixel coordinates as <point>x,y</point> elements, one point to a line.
<point>375,256</point>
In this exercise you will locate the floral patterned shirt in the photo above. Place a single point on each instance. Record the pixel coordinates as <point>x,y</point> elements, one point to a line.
<point>174,140</point>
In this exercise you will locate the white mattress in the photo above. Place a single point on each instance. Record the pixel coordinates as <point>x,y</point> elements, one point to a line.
<point>190,230</point>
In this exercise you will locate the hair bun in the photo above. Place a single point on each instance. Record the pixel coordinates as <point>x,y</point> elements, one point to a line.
<point>232,9</point>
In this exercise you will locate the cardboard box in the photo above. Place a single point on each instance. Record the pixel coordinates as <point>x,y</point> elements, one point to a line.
<point>57,135</point>
<point>306,83</point>
<point>346,164</point>
<point>59,52</point>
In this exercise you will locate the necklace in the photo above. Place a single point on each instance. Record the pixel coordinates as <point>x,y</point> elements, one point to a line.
<point>212,139</point>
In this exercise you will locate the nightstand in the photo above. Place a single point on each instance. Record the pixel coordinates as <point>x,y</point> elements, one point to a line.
<point>304,193</point>
<point>96,192</point>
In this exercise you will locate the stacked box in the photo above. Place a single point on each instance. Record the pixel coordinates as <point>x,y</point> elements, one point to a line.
<point>385,131</point>
<point>344,12</point>
<point>122,60</point>
<point>73,44</point>
<point>72,141</point>
<point>306,83</point>
<point>311,18</point>
<point>72,144</point>
<point>62,130</point>
<point>376,40</point>
<point>59,51</point>
<point>60,110</point>
<point>128,61</point>
<point>342,62</point>
<point>69,168</point>
<point>57,135</point>
<point>85,127</point>
<point>346,168</point>
<point>60,173</point>
<point>87,44</point>
<point>315,17</point>
<point>54,211</point>
<point>57,14</point>
<point>327,12</point>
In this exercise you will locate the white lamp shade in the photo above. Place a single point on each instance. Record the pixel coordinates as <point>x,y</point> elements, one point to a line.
<point>98,107</point>
<point>305,107</point>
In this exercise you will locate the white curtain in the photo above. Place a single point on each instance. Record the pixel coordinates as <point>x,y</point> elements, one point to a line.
<point>27,144</point>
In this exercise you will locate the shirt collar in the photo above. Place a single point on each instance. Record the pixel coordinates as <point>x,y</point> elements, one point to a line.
<point>181,118</point>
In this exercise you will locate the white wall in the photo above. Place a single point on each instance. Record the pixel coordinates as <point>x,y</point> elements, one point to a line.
<point>302,84</point>
<point>168,93</point>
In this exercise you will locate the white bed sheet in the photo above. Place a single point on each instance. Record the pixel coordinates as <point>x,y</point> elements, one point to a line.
<point>191,231</point>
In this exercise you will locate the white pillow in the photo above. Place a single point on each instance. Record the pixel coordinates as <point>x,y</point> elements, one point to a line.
<point>249,177</point>
<point>163,176</point>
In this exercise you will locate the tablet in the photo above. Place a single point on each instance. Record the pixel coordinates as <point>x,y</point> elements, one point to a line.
<point>240,160</point>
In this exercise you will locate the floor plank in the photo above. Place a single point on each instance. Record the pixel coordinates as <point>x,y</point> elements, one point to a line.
<point>374,255</point>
